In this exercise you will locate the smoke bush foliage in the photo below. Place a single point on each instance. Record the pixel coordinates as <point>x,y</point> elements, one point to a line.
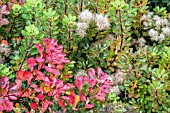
<point>84,56</point>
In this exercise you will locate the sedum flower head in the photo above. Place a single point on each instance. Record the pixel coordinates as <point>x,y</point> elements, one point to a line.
<point>158,23</point>
<point>141,42</point>
<point>81,29</point>
<point>166,31</point>
<point>162,37</point>
<point>153,34</point>
<point>164,21</point>
<point>169,16</point>
<point>144,17</point>
<point>85,16</point>
<point>156,17</point>
<point>102,22</point>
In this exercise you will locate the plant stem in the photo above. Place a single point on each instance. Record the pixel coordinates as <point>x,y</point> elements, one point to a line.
<point>66,5</point>
<point>81,5</point>
<point>26,54</point>
<point>121,29</point>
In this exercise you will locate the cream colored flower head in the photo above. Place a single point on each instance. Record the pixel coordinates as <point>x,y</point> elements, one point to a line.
<point>102,22</point>
<point>81,29</point>
<point>166,31</point>
<point>85,16</point>
<point>153,34</point>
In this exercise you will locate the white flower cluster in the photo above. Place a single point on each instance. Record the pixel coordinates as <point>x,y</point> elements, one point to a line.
<point>81,29</point>
<point>141,42</point>
<point>85,16</point>
<point>102,22</point>
<point>4,49</point>
<point>158,28</point>
<point>84,19</point>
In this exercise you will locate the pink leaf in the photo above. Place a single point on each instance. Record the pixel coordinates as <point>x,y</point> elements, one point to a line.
<point>13,97</point>
<point>31,63</point>
<point>9,106</point>
<point>103,76</point>
<point>1,108</point>
<point>78,84</point>
<point>99,71</point>
<point>49,69</point>
<point>60,66</point>
<point>4,82</point>
<point>92,82</point>
<point>82,97</point>
<point>39,59</point>
<point>45,104</point>
<point>89,106</point>
<point>91,73</point>
<point>20,75</point>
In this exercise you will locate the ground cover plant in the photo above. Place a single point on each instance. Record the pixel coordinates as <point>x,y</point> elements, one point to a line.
<point>81,56</point>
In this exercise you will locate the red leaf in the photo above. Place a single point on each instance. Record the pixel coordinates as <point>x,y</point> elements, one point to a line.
<point>72,97</point>
<point>18,82</point>
<point>40,96</point>
<point>82,97</point>
<point>62,104</point>
<point>34,105</point>
<point>40,48</point>
<point>39,75</point>
<point>31,63</point>
<point>91,90</point>
<point>89,106</point>
<point>28,76</point>
<point>60,66</point>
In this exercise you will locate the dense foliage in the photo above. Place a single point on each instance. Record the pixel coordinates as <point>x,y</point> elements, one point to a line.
<point>83,56</point>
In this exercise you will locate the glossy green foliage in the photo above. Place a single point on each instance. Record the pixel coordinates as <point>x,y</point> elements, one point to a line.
<point>148,81</point>
<point>161,3</point>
